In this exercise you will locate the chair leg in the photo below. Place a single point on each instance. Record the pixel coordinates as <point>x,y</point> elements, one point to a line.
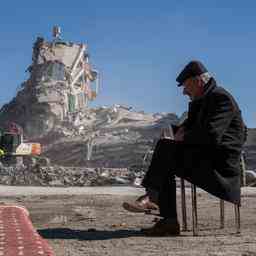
<point>222,214</point>
<point>243,169</point>
<point>183,206</point>
<point>237,218</point>
<point>194,210</point>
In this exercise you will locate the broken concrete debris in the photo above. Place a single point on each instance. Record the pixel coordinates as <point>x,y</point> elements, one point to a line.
<point>96,141</point>
<point>65,176</point>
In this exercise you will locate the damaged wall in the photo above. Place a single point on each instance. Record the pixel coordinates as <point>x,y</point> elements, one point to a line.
<point>61,83</point>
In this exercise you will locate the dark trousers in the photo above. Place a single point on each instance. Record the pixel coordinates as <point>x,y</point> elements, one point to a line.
<point>161,177</point>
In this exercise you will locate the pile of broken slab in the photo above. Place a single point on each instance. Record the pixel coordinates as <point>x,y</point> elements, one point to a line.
<point>66,176</point>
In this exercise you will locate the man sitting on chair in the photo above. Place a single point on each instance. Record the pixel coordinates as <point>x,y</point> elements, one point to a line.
<point>205,151</point>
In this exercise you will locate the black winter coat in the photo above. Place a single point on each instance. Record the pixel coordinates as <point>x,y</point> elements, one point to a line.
<point>214,136</point>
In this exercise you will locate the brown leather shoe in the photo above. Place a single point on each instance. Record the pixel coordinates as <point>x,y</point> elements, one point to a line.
<point>142,204</point>
<point>164,227</point>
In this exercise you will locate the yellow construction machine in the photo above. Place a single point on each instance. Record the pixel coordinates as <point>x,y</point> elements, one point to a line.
<point>14,150</point>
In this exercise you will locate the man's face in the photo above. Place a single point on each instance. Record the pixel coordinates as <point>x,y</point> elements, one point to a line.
<point>193,87</point>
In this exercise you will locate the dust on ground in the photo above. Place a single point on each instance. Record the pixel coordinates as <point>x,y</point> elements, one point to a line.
<point>77,225</point>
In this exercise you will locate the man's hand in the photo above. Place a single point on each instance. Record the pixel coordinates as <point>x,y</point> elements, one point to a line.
<point>179,135</point>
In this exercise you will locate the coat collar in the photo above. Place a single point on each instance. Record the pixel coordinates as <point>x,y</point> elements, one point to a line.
<point>209,86</point>
<point>207,89</point>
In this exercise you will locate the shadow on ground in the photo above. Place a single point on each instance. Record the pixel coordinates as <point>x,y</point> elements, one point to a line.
<point>66,233</point>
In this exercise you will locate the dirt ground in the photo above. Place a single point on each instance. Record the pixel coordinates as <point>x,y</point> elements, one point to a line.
<point>97,225</point>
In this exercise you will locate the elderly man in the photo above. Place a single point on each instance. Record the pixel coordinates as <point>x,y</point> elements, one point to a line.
<point>205,151</point>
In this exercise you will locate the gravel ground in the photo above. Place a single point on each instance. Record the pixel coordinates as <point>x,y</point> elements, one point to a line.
<point>90,221</point>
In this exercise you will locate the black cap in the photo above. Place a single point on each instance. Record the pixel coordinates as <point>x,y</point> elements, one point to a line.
<point>192,69</point>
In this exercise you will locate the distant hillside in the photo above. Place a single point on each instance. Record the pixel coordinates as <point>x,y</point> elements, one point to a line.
<point>250,149</point>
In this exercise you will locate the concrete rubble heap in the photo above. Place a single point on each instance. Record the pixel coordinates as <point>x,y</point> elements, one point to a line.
<point>66,176</point>
<point>115,137</point>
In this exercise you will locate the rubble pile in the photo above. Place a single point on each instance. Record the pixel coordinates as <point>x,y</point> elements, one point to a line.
<point>66,176</point>
<point>115,137</point>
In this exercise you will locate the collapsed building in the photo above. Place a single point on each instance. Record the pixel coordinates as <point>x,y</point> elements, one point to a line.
<point>61,83</point>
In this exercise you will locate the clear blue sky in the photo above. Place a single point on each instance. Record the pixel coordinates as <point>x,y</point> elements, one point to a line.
<point>139,46</point>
